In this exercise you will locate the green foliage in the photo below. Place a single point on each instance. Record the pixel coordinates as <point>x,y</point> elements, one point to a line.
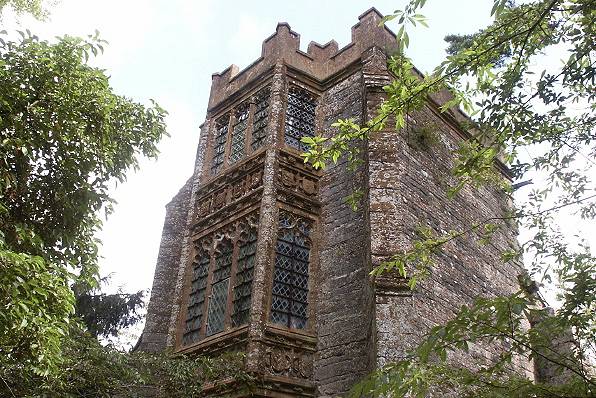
<point>423,137</point>
<point>64,137</point>
<point>36,304</point>
<point>538,118</point>
<point>106,314</point>
<point>33,7</point>
<point>91,370</point>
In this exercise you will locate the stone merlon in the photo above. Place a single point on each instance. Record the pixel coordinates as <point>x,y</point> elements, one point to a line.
<point>320,61</point>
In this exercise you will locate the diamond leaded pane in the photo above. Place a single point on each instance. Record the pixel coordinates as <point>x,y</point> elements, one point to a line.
<point>289,301</point>
<point>244,274</point>
<point>223,261</point>
<point>217,307</point>
<point>260,118</point>
<point>194,312</point>
<point>219,145</point>
<point>300,117</point>
<point>239,133</point>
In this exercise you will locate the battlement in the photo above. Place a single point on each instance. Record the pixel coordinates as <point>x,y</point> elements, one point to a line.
<point>320,61</point>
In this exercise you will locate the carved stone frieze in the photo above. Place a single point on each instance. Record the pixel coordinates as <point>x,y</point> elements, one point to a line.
<point>238,184</point>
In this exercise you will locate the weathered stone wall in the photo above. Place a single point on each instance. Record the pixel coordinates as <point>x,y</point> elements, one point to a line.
<point>159,310</point>
<point>345,308</point>
<point>408,189</point>
<point>157,335</point>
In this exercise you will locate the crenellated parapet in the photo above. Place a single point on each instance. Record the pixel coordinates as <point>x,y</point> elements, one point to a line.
<point>320,61</point>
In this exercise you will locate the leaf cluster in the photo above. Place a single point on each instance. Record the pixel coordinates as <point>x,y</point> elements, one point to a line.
<point>89,369</point>
<point>65,136</point>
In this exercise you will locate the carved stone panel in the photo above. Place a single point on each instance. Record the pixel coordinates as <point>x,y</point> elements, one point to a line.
<point>299,183</point>
<point>289,362</point>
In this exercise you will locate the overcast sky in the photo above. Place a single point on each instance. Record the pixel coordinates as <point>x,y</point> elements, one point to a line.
<point>167,50</point>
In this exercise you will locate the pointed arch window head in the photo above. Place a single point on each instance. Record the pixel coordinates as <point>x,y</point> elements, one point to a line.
<point>300,117</point>
<point>289,300</point>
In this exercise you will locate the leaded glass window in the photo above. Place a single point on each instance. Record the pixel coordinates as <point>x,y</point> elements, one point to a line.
<point>219,288</point>
<point>219,146</point>
<point>239,133</point>
<point>260,118</point>
<point>194,317</point>
<point>300,117</point>
<point>289,299</point>
<point>244,274</point>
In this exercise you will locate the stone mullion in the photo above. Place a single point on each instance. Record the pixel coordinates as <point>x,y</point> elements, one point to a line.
<point>263,271</point>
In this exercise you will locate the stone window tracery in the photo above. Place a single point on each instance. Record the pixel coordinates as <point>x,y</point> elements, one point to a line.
<point>289,300</point>
<point>219,146</point>
<point>239,132</point>
<point>221,276</point>
<point>260,118</point>
<point>300,117</point>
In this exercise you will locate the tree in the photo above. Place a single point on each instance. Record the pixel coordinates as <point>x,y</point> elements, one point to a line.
<point>517,109</point>
<point>106,314</point>
<point>64,136</point>
<point>33,7</point>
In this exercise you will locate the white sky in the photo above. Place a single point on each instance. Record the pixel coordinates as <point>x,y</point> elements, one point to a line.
<point>167,50</point>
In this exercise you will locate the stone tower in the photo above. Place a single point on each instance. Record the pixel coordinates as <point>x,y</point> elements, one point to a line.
<point>260,252</point>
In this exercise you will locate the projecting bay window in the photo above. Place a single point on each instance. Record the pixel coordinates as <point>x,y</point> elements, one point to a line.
<point>300,117</point>
<point>289,300</point>
<point>220,291</point>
